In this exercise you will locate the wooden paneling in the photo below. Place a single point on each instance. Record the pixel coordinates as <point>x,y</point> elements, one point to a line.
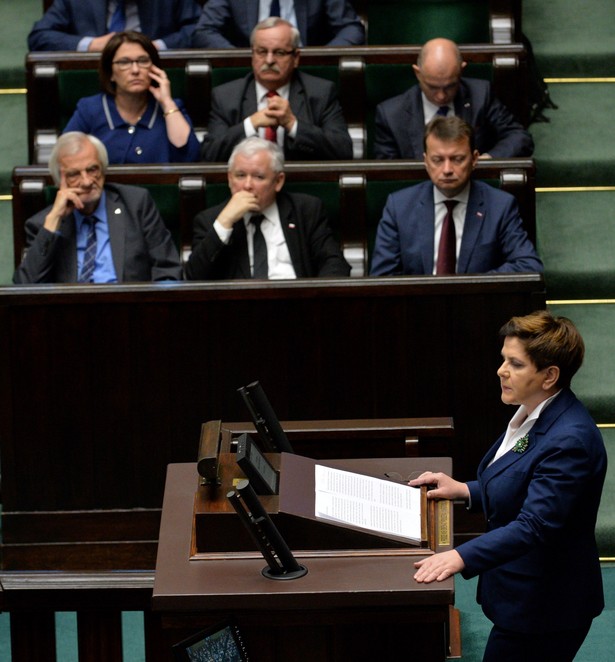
<point>103,386</point>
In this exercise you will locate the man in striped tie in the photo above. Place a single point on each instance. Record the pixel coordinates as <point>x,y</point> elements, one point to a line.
<point>95,232</point>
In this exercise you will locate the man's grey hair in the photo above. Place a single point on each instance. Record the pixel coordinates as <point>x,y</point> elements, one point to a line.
<point>248,147</point>
<point>272,22</point>
<point>71,143</point>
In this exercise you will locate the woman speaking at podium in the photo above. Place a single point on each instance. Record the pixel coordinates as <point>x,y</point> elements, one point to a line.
<point>539,486</point>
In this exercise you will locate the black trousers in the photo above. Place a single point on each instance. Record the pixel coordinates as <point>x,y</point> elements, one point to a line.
<point>507,646</point>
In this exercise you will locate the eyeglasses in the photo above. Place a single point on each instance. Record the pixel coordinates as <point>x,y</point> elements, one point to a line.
<point>72,177</point>
<point>142,62</point>
<point>278,53</point>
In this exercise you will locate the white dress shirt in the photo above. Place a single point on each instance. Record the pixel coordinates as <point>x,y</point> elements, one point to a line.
<point>520,425</point>
<point>459,218</point>
<point>430,109</point>
<point>287,11</point>
<point>261,103</point>
<point>279,263</point>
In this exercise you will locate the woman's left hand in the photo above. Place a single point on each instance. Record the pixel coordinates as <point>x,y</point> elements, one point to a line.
<point>161,91</point>
<point>438,567</point>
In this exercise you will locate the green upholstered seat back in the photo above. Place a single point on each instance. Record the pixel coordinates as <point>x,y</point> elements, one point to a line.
<point>417,21</point>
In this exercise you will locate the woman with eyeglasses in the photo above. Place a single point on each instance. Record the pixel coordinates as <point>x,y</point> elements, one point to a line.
<point>135,116</point>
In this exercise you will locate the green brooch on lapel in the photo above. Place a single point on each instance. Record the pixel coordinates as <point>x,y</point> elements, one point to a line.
<point>521,445</point>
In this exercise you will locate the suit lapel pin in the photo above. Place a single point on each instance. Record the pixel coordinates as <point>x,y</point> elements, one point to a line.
<point>521,445</point>
<point>292,226</point>
<point>479,214</point>
<point>117,210</point>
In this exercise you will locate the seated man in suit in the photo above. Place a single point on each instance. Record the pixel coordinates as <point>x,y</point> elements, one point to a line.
<point>451,224</point>
<point>400,121</point>
<point>298,111</point>
<point>261,231</point>
<point>87,25</point>
<point>229,23</point>
<point>95,232</point>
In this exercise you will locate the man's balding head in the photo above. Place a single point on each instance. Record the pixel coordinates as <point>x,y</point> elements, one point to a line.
<point>438,70</point>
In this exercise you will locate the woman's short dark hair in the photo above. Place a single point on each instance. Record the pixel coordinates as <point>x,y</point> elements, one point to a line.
<point>548,340</point>
<point>105,67</point>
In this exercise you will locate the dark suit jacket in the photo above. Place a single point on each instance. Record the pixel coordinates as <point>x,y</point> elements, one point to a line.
<point>66,22</point>
<point>400,123</point>
<point>141,245</point>
<point>538,560</point>
<point>322,132</point>
<point>312,247</point>
<point>229,23</point>
<point>493,236</point>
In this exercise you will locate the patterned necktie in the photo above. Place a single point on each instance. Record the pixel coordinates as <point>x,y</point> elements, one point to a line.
<point>271,132</point>
<point>443,111</point>
<point>275,8</point>
<point>447,253</point>
<point>118,18</point>
<point>89,255</point>
<point>261,269</point>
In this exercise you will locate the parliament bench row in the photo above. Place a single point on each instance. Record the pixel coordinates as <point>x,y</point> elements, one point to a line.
<point>416,21</point>
<point>353,192</point>
<point>364,75</point>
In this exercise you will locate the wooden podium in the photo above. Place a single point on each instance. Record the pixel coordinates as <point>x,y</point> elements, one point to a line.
<point>358,600</point>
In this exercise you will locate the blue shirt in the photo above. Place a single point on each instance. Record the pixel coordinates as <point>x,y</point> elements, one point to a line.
<point>104,270</point>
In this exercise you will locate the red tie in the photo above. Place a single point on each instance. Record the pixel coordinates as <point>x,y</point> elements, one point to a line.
<point>271,132</point>
<point>447,249</point>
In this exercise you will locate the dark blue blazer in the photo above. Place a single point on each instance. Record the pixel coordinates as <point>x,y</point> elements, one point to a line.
<point>228,23</point>
<point>400,123</point>
<point>538,560</point>
<point>322,132</point>
<point>66,22</point>
<point>493,241</point>
<point>145,142</point>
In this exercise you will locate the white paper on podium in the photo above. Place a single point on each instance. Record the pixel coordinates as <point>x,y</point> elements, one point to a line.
<point>369,503</point>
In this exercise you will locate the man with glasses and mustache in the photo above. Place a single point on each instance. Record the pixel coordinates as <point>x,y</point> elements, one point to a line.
<point>95,232</point>
<point>301,113</point>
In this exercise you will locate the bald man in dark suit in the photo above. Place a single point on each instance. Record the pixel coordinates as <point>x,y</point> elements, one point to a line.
<point>441,90</point>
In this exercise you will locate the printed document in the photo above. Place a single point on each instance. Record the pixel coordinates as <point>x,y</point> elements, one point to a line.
<point>369,503</point>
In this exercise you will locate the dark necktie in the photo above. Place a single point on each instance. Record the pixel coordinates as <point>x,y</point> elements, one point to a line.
<point>89,255</point>
<point>271,132</point>
<point>447,258</point>
<point>261,269</point>
<point>118,18</point>
<point>443,111</point>
<point>275,8</point>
